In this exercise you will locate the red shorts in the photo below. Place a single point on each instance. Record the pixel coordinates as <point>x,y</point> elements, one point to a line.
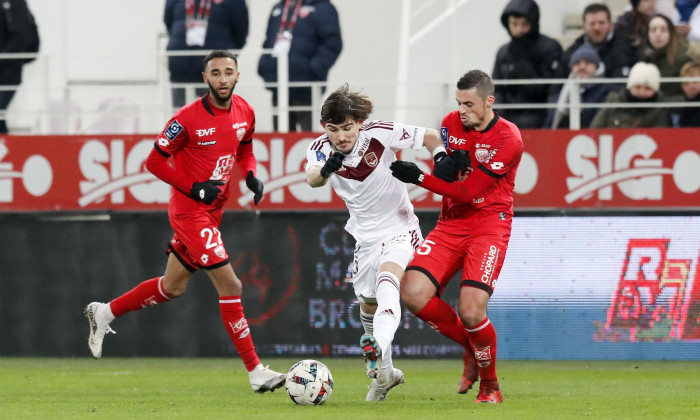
<point>197,240</point>
<point>480,257</point>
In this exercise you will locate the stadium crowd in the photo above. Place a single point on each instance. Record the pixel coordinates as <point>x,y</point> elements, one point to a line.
<point>651,36</point>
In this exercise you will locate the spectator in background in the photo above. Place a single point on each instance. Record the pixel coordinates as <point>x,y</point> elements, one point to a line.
<point>529,55</point>
<point>633,23</point>
<point>685,9</point>
<point>616,52</point>
<point>694,24</point>
<point>309,31</point>
<point>583,64</point>
<point>689,116</point>
<point>642,88</point>
<point>664,48</point>
<point>18,34</point>
<point>201,25</point>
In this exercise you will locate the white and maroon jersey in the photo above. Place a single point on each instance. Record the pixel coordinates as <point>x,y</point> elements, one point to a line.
<point>378,203</point>
<point>204,142</point>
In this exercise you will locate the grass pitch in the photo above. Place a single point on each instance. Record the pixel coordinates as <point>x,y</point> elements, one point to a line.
<point>164,388</point>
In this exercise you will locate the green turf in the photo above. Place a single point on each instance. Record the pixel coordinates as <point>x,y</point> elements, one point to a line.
<point>165,388</point>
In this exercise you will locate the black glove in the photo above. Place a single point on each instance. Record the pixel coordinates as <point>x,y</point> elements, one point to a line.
<point>206,191</point>
<point>332,164</point>
<point>445,167</point>
<point>407,172</point>
<point>461,158</point>
<point>255,185</point>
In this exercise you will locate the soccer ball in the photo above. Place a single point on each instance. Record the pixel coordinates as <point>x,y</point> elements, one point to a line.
<point>309,382</point>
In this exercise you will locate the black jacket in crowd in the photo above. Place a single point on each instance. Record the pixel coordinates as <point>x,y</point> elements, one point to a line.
<point>14,20</point>
<point>316,45</point>
<point>227,30</point>
<point>533,56</point>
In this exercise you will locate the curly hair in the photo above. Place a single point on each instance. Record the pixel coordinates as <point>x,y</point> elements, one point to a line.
<point>343,104</point>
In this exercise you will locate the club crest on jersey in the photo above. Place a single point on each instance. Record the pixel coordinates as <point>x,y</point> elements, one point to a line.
<point>371,159</point>
<point>240,133</point>
<point>320,156</point>
<point>173,130</point>
<point>482,155</point>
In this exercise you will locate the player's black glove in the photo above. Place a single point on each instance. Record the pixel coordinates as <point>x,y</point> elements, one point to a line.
<point>461,158</point>
<point>407,172</point>
<point>255,185</point>
<point>445,167</point>
<point>332,164</point>
<point>206,191</point>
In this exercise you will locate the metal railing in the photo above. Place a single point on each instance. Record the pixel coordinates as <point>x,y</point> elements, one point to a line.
<point>163,109</point>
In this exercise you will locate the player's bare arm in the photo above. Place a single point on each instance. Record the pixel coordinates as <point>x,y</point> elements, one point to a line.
<point>314,178</point>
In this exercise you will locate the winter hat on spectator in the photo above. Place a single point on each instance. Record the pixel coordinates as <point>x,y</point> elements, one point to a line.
<point>584,52</point>
<point>644,74</point>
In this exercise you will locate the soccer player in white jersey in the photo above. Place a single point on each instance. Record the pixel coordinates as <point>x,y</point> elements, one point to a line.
<point>355,155</point>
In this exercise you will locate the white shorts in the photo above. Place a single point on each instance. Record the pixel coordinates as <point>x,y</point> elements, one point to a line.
<point>397,248</point>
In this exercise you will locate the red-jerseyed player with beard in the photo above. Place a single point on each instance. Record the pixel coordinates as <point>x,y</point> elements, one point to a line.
<point>472,232</point>
<point>204,138</point>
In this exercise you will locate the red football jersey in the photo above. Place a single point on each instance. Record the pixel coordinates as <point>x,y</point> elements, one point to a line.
<point>479,198</point>
<point>204,142</point>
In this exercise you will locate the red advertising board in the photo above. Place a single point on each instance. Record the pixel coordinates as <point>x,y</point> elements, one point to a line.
<point>589,169</point>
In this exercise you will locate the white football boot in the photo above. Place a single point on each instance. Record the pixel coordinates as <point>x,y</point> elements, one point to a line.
<point>99,316</point>
<point>378,391</point>
<point>263,379</point>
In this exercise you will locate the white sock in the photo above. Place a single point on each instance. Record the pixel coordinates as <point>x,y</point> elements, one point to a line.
<point>367,322</point>
<point>388,317</point>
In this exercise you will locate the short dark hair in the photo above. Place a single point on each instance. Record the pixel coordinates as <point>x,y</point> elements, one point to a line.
<point>596,8</point>
<point>343,104</point>
<point>219,54</point>
<point>476,79</point>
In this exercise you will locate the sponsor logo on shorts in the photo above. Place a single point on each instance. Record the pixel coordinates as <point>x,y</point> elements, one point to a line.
<point>219,251</point>
<point>204,258</point>
<point>489,264</point>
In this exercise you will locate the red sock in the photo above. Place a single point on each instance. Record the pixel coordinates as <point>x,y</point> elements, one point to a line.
<point>483,337</point>
<point>237,328</point>
<point>443,319</point>
<point>148,293</point>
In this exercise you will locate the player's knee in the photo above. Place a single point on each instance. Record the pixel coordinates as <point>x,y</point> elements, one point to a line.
<point>413,298</point>
<point>471,315</point>
<point>174,291</point>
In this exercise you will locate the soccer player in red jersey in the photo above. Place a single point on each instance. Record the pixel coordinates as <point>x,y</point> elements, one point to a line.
<point>204,139</point>
<point>473,229</point>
